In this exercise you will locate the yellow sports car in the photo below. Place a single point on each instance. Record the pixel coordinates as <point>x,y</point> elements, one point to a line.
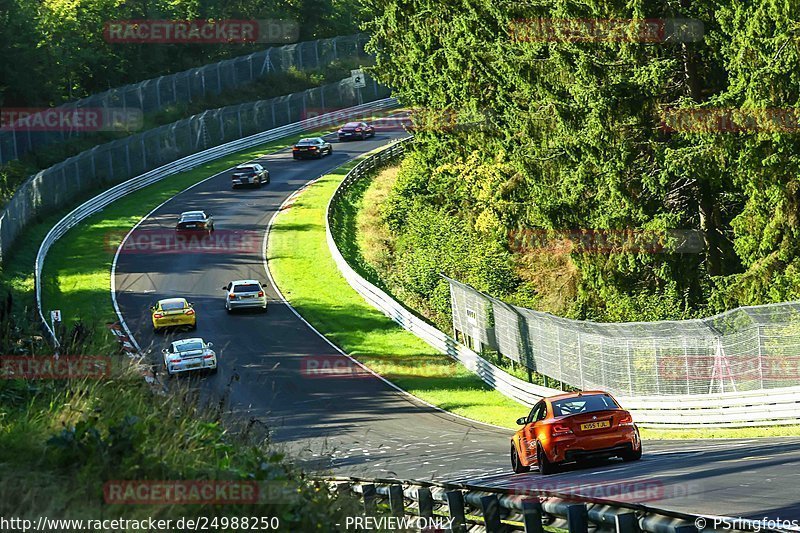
<point>173,312</point>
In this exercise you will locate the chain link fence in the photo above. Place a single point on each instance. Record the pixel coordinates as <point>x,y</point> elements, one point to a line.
<point>155,94</point>
<point>748,348</point>
<point>114,162</point>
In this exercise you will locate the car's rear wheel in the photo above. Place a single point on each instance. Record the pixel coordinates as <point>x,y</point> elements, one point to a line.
<point>632,455</point>
<point>516,464</point>
<point>545,466</point>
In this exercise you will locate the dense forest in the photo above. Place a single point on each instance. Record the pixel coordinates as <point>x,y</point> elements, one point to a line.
<point>573,138</point>
<point>55,50</point>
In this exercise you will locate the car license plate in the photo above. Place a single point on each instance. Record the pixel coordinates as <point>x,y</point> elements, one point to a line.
<point>595,425</point>
<point>247,296</point>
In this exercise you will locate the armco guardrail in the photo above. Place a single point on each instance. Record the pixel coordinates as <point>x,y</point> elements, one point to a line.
<point>460,508</point>
<point>155,94</point>
<point>107,197</point>
<point>730,409</point>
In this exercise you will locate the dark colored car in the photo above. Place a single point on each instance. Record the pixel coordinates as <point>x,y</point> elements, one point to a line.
<point>356,130</point>
<point>195,221</point>
<point>249,174</point>
<point>573,427</point>
<point>312,147</point>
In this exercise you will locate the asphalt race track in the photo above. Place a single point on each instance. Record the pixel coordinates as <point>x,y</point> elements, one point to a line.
<point>362,426</point>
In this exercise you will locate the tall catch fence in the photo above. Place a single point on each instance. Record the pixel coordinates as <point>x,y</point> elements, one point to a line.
<point>114,162</point>
<point>158,93</point>
<point>748,348</point>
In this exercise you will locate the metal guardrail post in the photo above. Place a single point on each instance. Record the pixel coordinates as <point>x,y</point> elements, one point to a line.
<point>577,518</point>
<point>626,523</point>
<point>425,502</point>
<point>532,516</point>
<point>490,508</point>
<point>396,500</point>
<point>370,494</point>
<point>455,505</point>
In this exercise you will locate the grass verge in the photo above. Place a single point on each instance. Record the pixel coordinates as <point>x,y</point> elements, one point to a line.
<point>308,277</point>
<point>304,270</point>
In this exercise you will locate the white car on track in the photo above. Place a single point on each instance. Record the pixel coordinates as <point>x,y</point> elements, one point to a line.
<point>189,354</point>
<point>243,294</point>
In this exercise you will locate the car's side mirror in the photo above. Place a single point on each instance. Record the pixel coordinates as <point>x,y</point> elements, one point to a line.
<point>164,351</point>
<point>224,288</point>
<point>521,421</point>
<point>210,344</point>
<point>191,305</point>
<point>152,307</point>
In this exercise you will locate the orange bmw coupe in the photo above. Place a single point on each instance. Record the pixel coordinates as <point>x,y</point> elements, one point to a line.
<point>572,427</point>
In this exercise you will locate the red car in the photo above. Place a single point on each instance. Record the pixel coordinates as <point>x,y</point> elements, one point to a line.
<point>572,427</point>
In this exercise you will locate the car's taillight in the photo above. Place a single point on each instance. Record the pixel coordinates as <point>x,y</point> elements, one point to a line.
<point>211,356</point>
<point>232,296</point>
<point>260,294</point>
<point>189,311</point>
<point>176,359</point>
<point>561,429</point>
<point>295,149</point>
<point>358,129</point>
<point>626,420</point>
<point>158,315</point>
<point>313,148</point>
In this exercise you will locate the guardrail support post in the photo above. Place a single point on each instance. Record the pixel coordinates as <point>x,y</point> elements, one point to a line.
<point>369,498</point>
<point>532,516</point>
<point>626,523</point>
<point>425,500</point>
<point>577,519</point>
<point>396,503</point>
<point>455,505</point>
<point>490,507</point>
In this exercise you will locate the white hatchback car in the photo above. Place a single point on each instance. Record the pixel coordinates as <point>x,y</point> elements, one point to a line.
<point>245,293</point>
<point>189,354</point>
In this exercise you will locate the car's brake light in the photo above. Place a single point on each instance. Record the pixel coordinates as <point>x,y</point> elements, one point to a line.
<point>232,296</point>
<point>189,311</point>
<point>561,429</point>
<point>158,315</point>
<point>313,148</point>
<point>260,294</point>
<point>295,148</point>
<point>208,356</point>
<point>626,420</point>
<point>176,359</point>
<point>358,129</point>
